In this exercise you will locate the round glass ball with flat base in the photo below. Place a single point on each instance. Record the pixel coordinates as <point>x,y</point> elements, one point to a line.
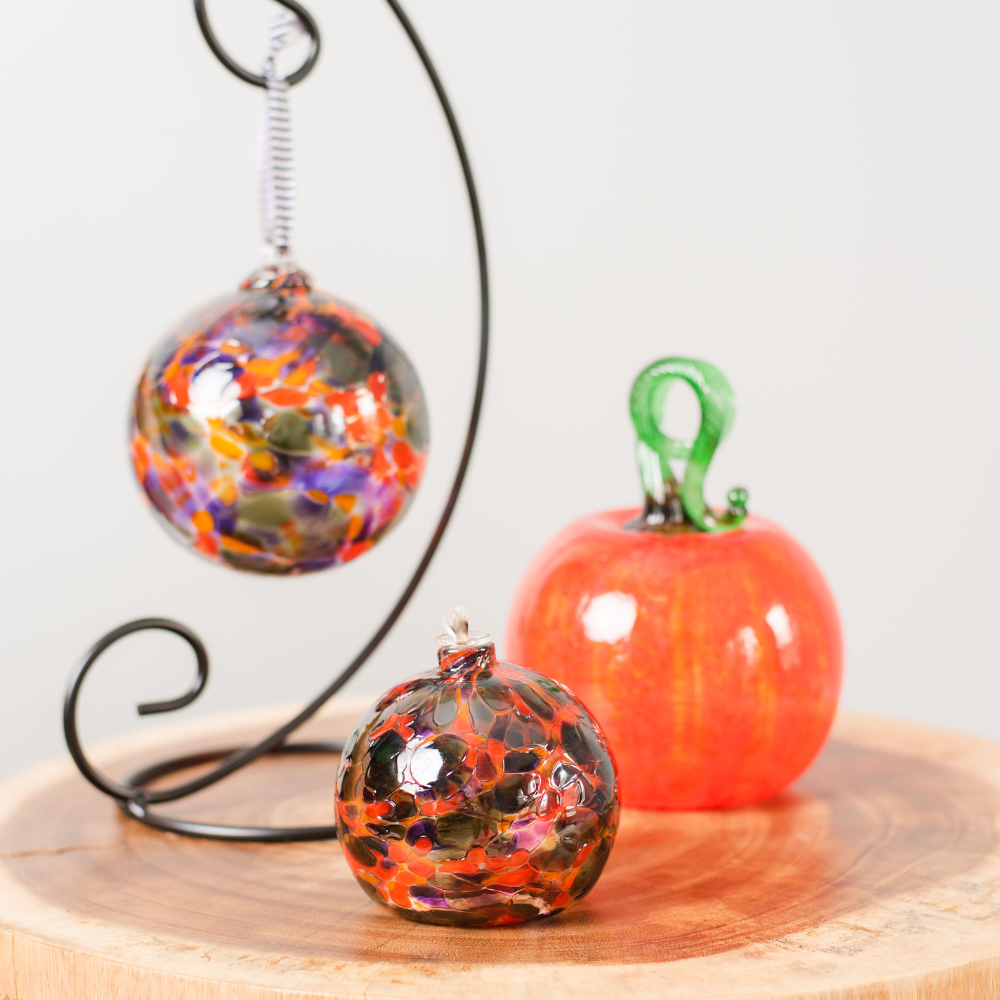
<point>477,794</point>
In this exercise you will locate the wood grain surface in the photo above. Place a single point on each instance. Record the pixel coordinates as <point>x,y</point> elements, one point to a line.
<point>876,876</point>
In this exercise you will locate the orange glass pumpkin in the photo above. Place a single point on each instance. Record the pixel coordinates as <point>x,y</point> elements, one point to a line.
<point>706,644</point>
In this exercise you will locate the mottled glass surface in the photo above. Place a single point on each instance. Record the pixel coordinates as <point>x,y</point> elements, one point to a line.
<point>481,793</point>
<point>279,430</point>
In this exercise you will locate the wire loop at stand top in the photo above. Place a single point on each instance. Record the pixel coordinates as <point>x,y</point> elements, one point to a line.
<point>256,79</point>
<point>134,796</point>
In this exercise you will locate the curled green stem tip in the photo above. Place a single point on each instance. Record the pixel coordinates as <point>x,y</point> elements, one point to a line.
<point>669,502</point>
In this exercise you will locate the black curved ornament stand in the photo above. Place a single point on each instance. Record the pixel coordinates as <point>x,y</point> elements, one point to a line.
<point>134,796</point>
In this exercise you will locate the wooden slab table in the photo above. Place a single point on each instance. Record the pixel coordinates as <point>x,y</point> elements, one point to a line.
<point>877,876</point>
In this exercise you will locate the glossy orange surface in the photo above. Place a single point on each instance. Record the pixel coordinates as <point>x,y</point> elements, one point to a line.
<point>712,661</point>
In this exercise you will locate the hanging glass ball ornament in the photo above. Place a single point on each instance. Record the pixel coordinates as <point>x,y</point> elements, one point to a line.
<point>279,430</point>
<point>481,793</point>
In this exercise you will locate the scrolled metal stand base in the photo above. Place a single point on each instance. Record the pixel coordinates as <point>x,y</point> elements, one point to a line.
<point>134,795</point>
<point>137,809</point>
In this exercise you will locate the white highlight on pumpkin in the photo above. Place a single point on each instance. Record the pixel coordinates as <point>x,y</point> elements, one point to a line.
<point>609,617</point>
<point>747,638</point>
<point>780,624</point>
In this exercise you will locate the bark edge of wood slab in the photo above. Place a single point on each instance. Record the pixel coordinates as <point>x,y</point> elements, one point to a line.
<point>877,877</point>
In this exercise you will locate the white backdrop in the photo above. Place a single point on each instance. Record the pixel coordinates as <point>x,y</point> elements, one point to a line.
<point>804,194</point>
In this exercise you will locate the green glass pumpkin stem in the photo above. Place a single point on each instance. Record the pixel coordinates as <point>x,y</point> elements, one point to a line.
<point>667,501</point>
